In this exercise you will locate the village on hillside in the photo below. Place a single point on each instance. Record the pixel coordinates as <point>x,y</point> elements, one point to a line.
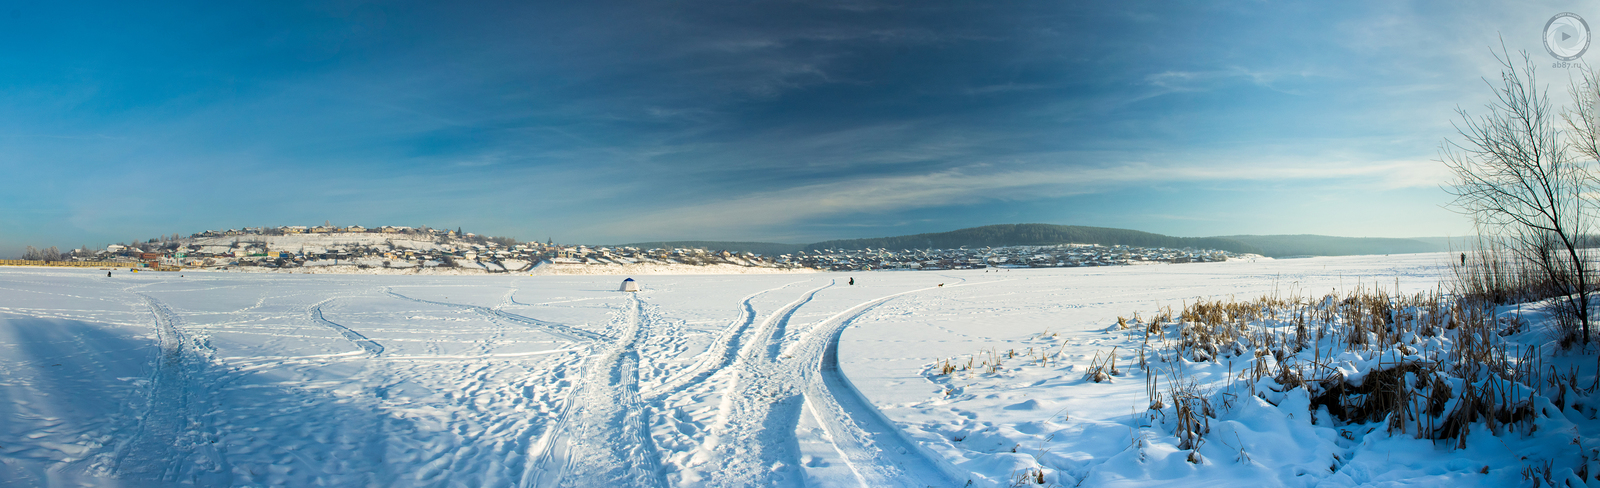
<point>355,248</point>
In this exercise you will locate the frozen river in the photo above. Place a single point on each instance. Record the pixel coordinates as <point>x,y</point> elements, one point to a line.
<point>219,379</point>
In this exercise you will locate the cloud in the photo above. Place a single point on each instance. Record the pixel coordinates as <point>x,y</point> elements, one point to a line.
<point>974,184</point>
<point>1197,81</point>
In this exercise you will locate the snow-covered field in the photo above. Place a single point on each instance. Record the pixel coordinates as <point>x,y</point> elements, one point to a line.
<point>217,379</point>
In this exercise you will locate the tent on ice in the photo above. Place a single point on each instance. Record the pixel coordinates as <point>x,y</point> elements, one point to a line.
<point>629,285</point>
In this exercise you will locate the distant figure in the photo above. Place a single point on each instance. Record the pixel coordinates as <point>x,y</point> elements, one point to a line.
<point>108,274</point>
<point>941,285</point>
<point>1463,259</point>
<point>852,280</point>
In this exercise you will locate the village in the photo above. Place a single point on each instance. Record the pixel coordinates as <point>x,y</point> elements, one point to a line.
<point>355,248</point>
<point>1064,255</point>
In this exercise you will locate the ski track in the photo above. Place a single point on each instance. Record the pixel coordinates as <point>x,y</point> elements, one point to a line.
<point>570,333</point>
<point>360,340</point>
<point>171,441</point>
<point>602,437</point>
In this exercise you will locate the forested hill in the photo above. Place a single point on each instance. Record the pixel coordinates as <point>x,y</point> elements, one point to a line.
<point>1035,235</point>
<point>1315,245</point>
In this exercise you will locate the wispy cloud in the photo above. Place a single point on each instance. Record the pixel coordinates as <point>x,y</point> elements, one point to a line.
<point>972,185</point>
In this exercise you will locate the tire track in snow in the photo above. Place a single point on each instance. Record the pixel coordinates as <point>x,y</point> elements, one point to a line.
<point>570,333</point>
<point>169,442</point>
<point>603,435</point>
<point>361,341</point>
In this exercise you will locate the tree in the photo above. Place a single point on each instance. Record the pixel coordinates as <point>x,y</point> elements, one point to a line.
<point>1516,173</point>
<point>48,254</point>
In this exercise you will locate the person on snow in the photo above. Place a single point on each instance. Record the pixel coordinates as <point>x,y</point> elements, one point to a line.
<point>852,280</point>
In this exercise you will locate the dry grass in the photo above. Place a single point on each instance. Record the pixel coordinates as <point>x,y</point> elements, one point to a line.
<point>1433,365</point>
<point>1441,366</point>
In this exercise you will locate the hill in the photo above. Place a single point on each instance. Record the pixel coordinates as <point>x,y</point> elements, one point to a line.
<point>1048,234</point>
<point>1315,245</point>
<point>1036,235</point>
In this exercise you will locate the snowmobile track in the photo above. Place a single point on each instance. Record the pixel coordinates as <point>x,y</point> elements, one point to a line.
<point>877,452</point>
<point>570,333</point>
<point>747,442</point>
<point>775,326</point>
<point>356,337</point>
<point>875,449</point>
<point>169,444</point>
<point>721,354</point>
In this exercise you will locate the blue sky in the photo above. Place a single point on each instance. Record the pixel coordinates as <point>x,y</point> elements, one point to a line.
<point>608,122</point>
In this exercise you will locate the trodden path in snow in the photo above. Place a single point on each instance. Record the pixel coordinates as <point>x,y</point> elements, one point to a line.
<point>602,437</point>
<point>171,441</point>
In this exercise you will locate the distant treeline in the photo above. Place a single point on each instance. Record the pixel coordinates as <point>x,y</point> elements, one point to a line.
<point>1048,234</point>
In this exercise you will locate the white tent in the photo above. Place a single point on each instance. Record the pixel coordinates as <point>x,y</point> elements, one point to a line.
<point>629,285</point>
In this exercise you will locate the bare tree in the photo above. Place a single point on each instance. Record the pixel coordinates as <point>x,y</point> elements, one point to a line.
<point>47,254</point>
<point>1515,171</point>
<point>1583,117</point>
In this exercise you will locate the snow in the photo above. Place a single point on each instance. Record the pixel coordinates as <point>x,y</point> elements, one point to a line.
<point>780,379</point>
